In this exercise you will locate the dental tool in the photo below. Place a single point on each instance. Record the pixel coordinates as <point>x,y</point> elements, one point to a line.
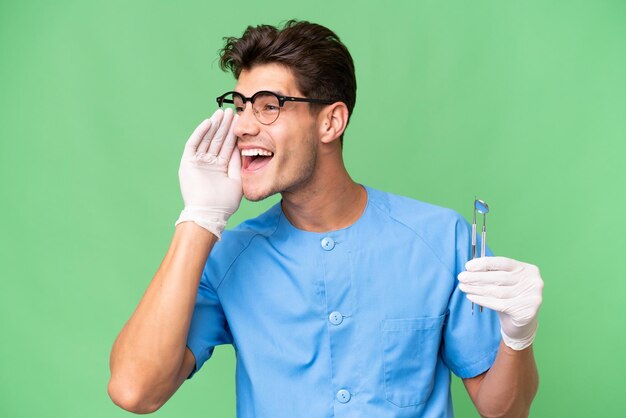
<point>483,208</point>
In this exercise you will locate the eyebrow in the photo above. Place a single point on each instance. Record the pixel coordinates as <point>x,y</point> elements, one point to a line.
<point>276,92</point>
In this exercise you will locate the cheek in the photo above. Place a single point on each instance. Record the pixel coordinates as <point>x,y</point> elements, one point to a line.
<point>294,142</point>
<point>297,153</point>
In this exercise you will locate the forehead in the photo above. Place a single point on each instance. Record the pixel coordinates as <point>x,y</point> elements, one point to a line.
<point>271,77</point>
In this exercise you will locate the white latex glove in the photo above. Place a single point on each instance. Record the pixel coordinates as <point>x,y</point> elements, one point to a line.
<point>508,286</point>
<point>209,173</point>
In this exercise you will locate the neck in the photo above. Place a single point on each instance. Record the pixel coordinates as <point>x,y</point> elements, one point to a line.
<point>329,201</point>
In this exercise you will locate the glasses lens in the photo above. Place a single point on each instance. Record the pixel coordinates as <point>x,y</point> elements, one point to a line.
<point>238,104</point>
<point>266,108</point>
<point>232,101</point>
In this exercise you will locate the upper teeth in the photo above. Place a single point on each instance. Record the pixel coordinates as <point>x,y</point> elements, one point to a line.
<point>256,151</point>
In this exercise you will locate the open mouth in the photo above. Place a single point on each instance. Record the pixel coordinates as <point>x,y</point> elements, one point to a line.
<point>255,158</point>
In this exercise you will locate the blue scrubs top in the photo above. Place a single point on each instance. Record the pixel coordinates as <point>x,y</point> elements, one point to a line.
<point>366,321</point>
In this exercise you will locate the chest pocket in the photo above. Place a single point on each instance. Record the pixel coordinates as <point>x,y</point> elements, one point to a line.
<point>410,349</point>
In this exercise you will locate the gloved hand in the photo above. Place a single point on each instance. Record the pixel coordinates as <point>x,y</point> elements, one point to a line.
<point>508,286</point>
<point>209,173</point>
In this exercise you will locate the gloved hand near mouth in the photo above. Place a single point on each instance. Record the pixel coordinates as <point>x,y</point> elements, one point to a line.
<point>209,173</point>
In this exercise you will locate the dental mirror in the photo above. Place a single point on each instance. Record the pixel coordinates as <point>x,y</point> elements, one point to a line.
<point>481,207</point>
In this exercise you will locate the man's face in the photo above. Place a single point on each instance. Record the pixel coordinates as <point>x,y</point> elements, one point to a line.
<point>289,144</point>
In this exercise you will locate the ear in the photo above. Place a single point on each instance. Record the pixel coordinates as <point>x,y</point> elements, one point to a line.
<point>332,121</point>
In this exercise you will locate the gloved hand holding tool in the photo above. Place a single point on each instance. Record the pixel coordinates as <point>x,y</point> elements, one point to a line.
<point>510,287</point>
<point>209,173</point>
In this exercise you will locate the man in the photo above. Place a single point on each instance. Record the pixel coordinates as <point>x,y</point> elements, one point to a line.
<point>341,300</point>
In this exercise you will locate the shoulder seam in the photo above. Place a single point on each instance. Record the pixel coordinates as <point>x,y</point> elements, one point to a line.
<point>388,213</point>
<point>242,251</point>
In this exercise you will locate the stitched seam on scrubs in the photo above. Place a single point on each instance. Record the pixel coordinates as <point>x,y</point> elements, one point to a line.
<point>331,370</point>
<point>476,368</point>
<point>256,234</point>
<point>419,236</point>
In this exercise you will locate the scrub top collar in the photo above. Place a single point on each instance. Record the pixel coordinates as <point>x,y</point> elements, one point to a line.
<point>286,227</point>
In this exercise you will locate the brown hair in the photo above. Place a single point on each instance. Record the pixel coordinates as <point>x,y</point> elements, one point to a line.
<point>320,62</point>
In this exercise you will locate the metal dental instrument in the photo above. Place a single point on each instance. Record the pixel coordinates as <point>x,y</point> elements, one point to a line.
<point>481,207</point>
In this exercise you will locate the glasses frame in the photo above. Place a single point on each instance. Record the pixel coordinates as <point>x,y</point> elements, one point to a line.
<point>281,101</point>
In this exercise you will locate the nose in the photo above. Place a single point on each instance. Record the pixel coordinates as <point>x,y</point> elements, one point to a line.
<point>247,123</point>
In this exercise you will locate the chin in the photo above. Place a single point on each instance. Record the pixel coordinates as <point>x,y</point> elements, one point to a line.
<point>255,195</point>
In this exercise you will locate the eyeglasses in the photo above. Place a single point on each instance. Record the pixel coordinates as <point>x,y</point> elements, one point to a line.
<point>266,105</point>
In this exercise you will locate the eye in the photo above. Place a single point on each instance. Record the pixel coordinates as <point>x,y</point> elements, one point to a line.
<point>239,109</point>
<point>270,108</point>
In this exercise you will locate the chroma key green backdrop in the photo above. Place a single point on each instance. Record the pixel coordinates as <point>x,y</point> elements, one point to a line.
<point>521,103</point>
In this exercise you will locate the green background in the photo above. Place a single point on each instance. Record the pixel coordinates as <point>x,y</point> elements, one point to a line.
<point>522,103</point>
